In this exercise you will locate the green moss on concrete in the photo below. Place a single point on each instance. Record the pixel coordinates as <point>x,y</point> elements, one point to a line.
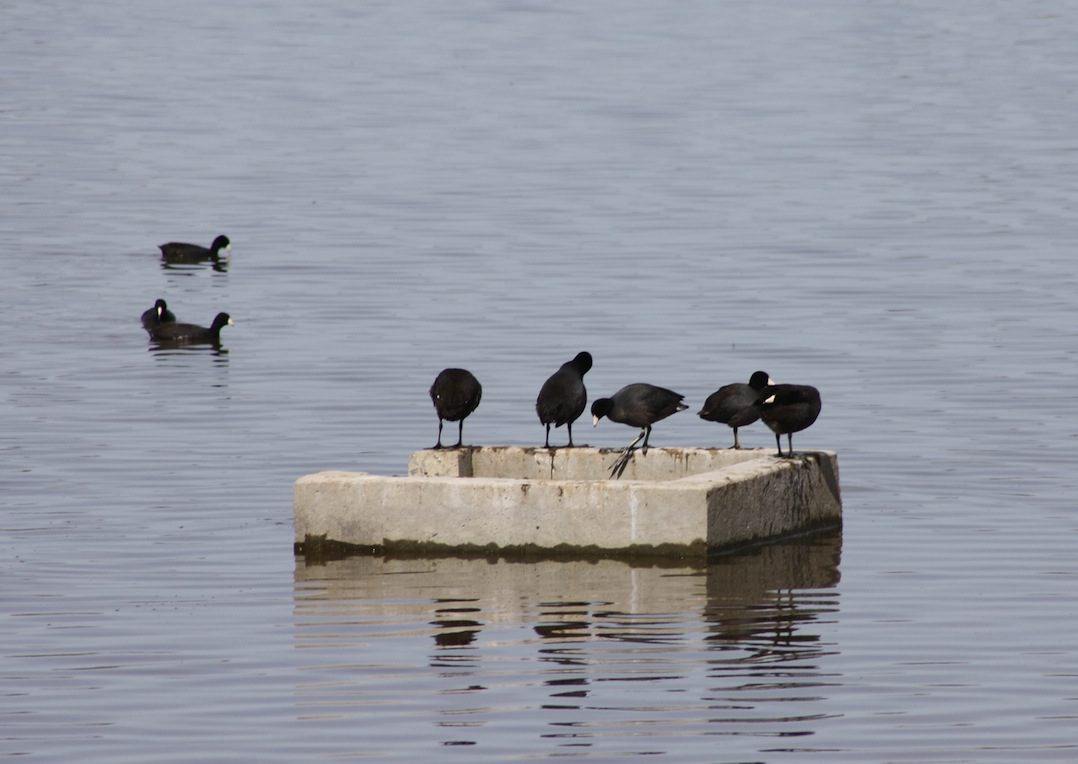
<point>318,550</point>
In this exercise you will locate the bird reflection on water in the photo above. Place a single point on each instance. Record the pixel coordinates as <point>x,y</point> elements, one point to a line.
<point>720,640</point>
<point>172,349</point>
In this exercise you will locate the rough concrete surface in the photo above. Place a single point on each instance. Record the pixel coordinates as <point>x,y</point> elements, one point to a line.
<point>671,501</point>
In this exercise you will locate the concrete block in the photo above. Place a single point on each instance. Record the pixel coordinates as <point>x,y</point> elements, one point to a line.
<point>673,501</point>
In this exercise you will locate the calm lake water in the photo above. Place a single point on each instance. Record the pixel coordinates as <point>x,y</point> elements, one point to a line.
<point>880,199</point>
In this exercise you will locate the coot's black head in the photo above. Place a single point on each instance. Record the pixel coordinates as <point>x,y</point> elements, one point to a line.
<point>222,320</point>
<point>600,408</point>
<point>220,244</point>
<point>759,380</point>
<point>582,362</point>
<point>160,307</point>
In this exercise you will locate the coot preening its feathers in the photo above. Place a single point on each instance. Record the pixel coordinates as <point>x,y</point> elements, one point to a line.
<point>787,409</point>
<point>562,397</point>
<point>735,404</point>
<point>638,405</point>
<point>182,252</point>
<point>456,394</point>
<point>158,314</point>
<point>192,334</point>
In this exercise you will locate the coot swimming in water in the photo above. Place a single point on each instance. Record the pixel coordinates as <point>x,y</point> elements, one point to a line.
<point>735,404</point>
<point>562,397</point>
<point>456,394</point>
<point>192,334</point>
<point>182,252</point>
<point>158,314</point>
<point>787,409</point>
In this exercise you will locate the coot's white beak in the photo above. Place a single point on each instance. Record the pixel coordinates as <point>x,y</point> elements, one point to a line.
<point>594,421</point>
<point>771,399</point>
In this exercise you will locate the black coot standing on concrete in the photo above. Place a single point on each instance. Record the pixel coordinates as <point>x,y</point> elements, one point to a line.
<point>735,404</point>
<point>192,334</point>
<point>787,409</point>
<point>158,314</point>
<point>638,405</point>
<point>562,397</point>
<point>182,252</point>
<point>456,394</point>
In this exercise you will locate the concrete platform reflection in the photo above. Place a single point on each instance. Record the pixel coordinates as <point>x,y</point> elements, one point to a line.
<point>563,599</point>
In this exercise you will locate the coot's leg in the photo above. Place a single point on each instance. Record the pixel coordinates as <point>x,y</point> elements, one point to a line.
<point>622,461</point>
<point>626,454</point>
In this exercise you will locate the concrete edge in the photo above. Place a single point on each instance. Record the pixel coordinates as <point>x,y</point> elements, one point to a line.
<point>320,548</point>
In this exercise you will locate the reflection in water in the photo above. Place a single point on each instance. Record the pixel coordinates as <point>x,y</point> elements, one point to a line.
<point>219,265</point>
<point>655,657</point>
<point>454,630</point>
<point>183,350</point>
<point>765,661</point>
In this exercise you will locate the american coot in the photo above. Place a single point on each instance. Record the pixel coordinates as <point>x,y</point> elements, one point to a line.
<point>787,409</point>
<point>456,394</point>
<point>158,314</point>
<point>562,397</point>
<point>181,252</point>
<point>192,334</point>
<point>638,405</point>
<point>735,404</point>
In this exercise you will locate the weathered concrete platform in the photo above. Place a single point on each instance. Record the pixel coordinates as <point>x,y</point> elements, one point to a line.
<point>673,501</point>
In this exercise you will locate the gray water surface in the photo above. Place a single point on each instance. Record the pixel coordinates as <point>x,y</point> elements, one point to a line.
<point>877,199</point>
